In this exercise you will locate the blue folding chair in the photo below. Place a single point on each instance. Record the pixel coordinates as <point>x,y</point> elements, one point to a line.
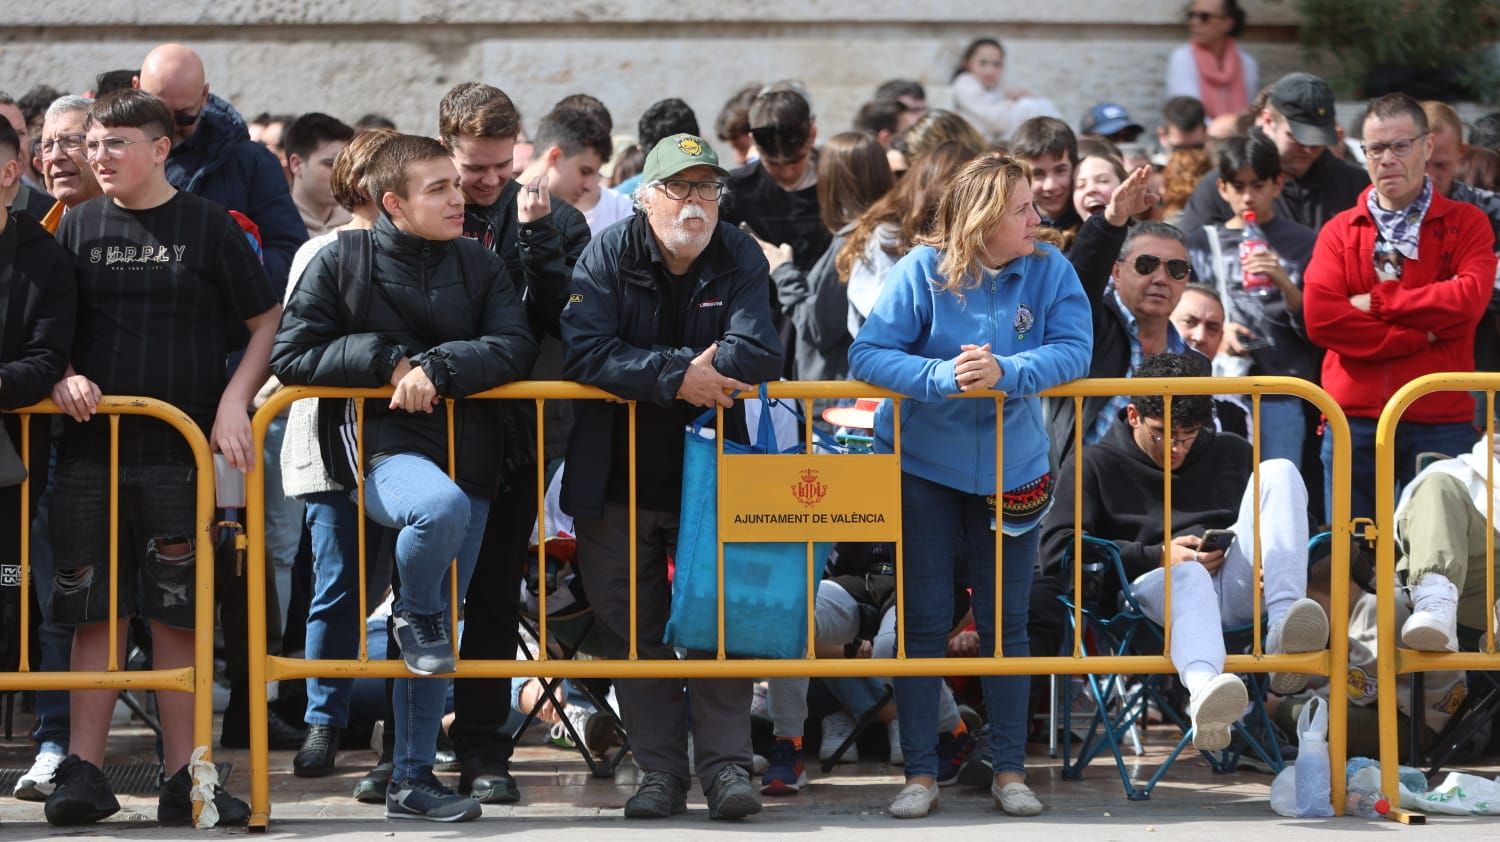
<point>1119,710</point>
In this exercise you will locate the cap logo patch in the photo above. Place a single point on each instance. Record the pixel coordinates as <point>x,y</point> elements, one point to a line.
<point>690,146</point>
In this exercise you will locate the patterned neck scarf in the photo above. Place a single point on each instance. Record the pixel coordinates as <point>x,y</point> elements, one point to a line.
<point>1399,229</point>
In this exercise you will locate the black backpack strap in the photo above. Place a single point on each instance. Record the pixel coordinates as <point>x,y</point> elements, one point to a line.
<point>356,266</point>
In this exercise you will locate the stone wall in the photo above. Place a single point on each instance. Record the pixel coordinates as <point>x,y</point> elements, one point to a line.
<point>348,57</point>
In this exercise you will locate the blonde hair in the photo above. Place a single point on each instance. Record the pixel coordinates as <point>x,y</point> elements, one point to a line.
<point>977,198</point>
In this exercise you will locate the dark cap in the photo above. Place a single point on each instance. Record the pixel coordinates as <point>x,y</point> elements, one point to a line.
<point>1307,104</point>
<point>1107,118</point>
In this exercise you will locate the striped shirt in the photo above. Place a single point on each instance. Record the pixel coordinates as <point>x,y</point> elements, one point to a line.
<point>157,291</point>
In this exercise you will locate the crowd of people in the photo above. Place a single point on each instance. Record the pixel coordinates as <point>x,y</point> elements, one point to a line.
<point>153,242</point>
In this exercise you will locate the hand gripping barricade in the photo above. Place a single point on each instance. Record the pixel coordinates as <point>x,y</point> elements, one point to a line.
<point>805,498</point>
<point>197,679</point>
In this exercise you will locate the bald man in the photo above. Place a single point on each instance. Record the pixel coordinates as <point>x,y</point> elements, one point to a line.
<point>213,157</point>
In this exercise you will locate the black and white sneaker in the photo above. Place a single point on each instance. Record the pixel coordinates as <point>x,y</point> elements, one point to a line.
<point>174,805</point>
<point>426,798</point>
<point>81,795</point>
<point>423,640</point>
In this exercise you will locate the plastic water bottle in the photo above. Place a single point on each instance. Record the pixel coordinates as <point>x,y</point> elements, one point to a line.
<point>1255,283</point>
<point>1369,805</point>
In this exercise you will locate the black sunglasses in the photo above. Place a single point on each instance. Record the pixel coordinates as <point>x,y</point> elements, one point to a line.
<point>185,119</point>
<point>1145,264</point>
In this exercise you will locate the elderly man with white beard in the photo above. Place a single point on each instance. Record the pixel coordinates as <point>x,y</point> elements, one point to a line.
<point>669,308</point>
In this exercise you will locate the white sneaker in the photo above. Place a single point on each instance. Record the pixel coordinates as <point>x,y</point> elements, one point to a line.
<point>1303,629</point>
<point>837,727</point>
<point>893,733</point>
<point>1215,709</point>
<point>1433,624</point>
<point>37,784</point>
<point>578,716</point>
<point>914,801</point>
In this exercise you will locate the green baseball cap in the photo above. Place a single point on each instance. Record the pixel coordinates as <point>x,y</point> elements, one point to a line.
<point>672,155</point>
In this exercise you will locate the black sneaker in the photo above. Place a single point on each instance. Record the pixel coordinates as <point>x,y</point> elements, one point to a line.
<point>426,798</point>
<point>977,770</point>
<point>423,641</point>
<point>81,795</point>
<point>731,795</point>
<point>372,787</point>
<point>487,781</point>
<point>319,752</point>
<point>175,804</point>
<point>953,751</point>
<point>660,795</point>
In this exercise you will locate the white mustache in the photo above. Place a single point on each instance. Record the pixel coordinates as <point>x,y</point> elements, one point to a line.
<point>691,212</point>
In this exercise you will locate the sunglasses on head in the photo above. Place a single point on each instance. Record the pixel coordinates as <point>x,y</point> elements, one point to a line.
<point>1178,268</point>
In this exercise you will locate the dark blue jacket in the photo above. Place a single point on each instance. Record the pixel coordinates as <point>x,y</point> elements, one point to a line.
<point>614,338</point>
<point>221,163</point>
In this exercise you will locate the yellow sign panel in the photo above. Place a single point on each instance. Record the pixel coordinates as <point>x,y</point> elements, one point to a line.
<point>796,497</point>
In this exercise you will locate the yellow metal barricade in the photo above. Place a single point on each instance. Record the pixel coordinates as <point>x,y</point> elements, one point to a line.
<point>1393,659</point>
<point>871,484</point>
<point>197,679</point>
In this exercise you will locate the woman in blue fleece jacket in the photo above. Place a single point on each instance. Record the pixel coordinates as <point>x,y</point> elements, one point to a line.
<point>979,306</point>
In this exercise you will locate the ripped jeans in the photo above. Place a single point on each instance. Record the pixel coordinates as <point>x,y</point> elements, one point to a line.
<point>157,511</point>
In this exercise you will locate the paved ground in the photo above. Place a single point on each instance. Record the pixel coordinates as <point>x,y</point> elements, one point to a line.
<point>561,801</point>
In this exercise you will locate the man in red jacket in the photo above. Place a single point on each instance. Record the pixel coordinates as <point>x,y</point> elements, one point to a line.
<point>1394,290</point>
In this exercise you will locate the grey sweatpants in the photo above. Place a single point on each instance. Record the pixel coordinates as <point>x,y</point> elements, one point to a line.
<point>658,712</point>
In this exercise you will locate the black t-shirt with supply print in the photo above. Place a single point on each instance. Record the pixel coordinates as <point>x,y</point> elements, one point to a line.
<point>157,291</point>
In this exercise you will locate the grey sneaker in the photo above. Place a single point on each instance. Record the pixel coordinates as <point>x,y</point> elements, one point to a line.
<point>426,798</point>
<point>660,795</point>
<point>423,641</point>
<point>731,795</point>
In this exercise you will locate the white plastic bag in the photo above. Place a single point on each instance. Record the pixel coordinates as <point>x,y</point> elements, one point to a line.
<point>1458,795</point>
<point>1284,792</point>
<point>1314,796</point>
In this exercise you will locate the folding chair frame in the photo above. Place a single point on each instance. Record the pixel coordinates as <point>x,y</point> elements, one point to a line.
<point>603,767</point>
<point>1118,635</point>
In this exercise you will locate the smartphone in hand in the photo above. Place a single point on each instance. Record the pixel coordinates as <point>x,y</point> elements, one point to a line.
<point>1216,540</point>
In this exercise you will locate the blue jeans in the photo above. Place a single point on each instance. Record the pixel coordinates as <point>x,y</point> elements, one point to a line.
<point>439,522</point>
<point>1411,439</point>
<point>1283,427</point>
<point>943,528</point>
<point>333,613</point>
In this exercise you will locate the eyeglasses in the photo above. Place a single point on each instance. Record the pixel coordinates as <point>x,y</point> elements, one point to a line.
<point>1183,441</point>
<point>70,144</point>
<point>112,147</point>
<point>184,118</point>
<point>1400,148</point>
<point>708,191</point>
<point>1178,268</point>
<point>1201,17</point>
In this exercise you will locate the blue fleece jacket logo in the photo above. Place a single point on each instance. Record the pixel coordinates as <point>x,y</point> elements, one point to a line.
<point>1024,320</point>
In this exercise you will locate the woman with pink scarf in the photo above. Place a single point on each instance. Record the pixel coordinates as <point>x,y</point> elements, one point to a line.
<point>1211,66</point>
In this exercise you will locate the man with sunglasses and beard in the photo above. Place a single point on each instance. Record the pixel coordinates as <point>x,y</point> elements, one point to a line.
<point>1132,321</point>
<point>670,309</point>
<point>213,157</point>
